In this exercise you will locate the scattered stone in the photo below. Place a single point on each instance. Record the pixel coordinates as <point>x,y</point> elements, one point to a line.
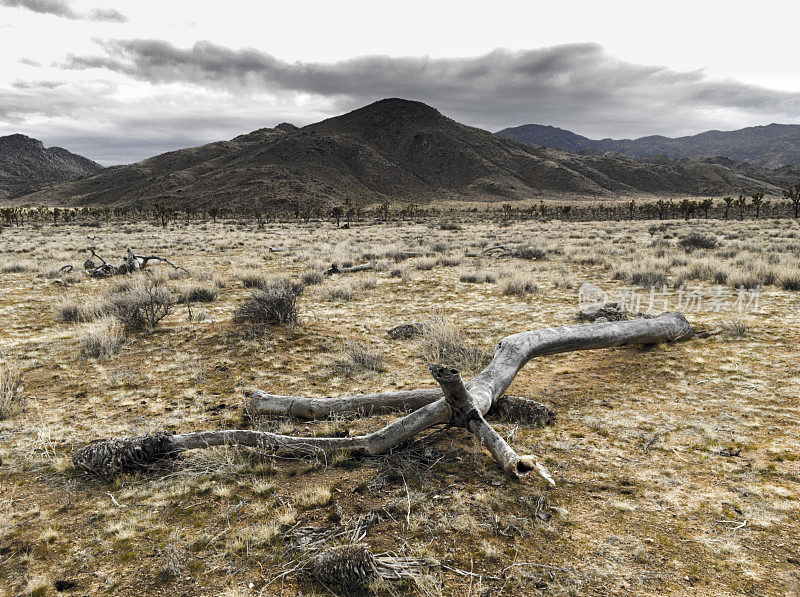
<point>406,331</point>
<point>603,312</point>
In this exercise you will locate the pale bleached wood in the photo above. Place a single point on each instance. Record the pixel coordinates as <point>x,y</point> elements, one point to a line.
<point>510,355</point>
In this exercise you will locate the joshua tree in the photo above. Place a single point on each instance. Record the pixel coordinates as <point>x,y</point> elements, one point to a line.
<point>688,207</point>
<point>337,214</point>
<point>162,213</point>
<point>706,205</point>
<point>728,202</point>
<point>793,195</point>
<point>661,206</point>
<point>741,203</point>
<point>758,200</point>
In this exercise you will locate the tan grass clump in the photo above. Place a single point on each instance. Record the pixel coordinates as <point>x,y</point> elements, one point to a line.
<point>103,338</point>
<point>444,344</point>
<point>12,401</point>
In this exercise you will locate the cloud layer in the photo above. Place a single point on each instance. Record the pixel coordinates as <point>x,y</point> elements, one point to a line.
<point>578,84</point>
<point>162,93</point>
<point>61,8</point>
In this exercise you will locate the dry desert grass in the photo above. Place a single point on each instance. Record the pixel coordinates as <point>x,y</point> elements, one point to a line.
<point>676,466</point>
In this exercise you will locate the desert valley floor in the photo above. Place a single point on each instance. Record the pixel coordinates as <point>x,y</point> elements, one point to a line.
<point>676,465</point>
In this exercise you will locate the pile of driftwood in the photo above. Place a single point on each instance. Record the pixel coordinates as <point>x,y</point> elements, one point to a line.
<point>132,263</point>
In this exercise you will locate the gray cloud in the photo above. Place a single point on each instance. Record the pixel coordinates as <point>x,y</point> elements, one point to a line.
<point>576,86</point>
<point>61,8</point>
<point>107,15</point>
<point>165,97</point>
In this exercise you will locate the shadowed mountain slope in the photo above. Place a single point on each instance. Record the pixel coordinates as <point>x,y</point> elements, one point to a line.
<point>391,150</point>
<point>26,165</point>
<point>770,146</point>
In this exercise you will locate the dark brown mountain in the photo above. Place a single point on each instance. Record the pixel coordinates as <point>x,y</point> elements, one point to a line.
<point>392,150</point>
<point>770,146</point>
<point>26,165</point>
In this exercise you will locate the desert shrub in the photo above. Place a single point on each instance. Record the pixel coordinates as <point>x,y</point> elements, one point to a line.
<point>340,292</point>
<point>586,257</point>
<point>400,272</point>
<point>477,277</point>
<point>698,240</point>
<point>650,273</point>
<point>145,304</point>
<point>449,261</point>
<point>705,269</point>
<point>425,264</point>
<point>80,310</point>
<point>103,338</point>
<point>791,282</point>
<point>735,328</point>
<point>564,280</point>
<point>16,267</point>
<point>756,275</point>
<point>311,277</point>
<point>12,400</point>
<point>347,291</point>
<point>529,252</point>
<point>450,226</point>
<point>356,357</point>
<point>253,280</point>
<point>275,303</point>
<point>198,293</point>
<point>519,285</point>
<point>444,344</point>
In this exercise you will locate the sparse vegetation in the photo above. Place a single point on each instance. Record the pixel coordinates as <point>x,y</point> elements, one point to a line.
<point>356,358</point>
<point>631,424</point>
<point>519,285</point>
<point>443,343</point>
<point>275,303</point>
<point>103,338</point>
<point>12,400</point>
<point>142,303</point>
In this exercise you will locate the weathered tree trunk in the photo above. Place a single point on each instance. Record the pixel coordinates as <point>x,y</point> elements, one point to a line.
<point>334,269</point>
<point>457,403</point>
<point>132,263</point>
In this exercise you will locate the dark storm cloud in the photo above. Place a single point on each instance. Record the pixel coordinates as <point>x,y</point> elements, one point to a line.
<point>578,85</point>
<point>61,8</point>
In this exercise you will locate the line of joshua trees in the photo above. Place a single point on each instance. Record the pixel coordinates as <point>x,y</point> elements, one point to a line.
<point>754,205</point>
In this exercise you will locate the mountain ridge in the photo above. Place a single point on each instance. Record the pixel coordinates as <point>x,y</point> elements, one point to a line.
<point>26,165</point>
<point>390,150</point>
<point>766,146</point>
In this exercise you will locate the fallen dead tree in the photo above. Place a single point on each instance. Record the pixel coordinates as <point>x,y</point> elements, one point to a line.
<point>132,263</point>
<point>455,403</point>
<point>334,269</point>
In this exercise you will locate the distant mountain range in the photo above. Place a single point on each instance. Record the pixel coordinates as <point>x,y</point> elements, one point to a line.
<point>26,165</point>
<point>393,150</point>
<point>770,146</point>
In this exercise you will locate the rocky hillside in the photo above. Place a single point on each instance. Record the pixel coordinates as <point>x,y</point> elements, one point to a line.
<point>26,165</point>
<point>770,146</point>
<point>391,150</point>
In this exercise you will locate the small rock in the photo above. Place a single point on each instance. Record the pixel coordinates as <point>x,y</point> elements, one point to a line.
<point>405,331</point>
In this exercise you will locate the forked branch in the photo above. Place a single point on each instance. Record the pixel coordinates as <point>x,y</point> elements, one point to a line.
<point>456,403</point>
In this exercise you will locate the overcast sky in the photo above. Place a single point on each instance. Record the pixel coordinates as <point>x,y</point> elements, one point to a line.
<point>121,81</point>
